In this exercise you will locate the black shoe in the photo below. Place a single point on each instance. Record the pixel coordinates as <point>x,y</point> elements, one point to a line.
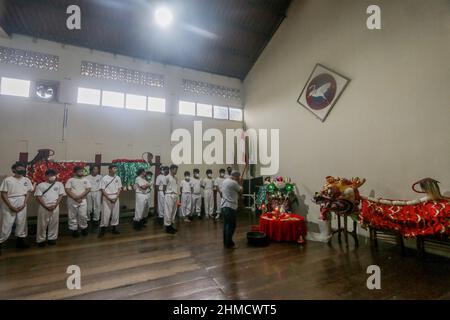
<point>169,230</point>
<point>94,225</point>
<point>84,232</point>
<point>51,242</point>
<point>41,244</point>
<point>101,233</point>
<point>22,244</point>
<point>114,230</point>
<point>144,221</point>
<point>137,225</point>
<point>75,234</point>
<point>173,229</point>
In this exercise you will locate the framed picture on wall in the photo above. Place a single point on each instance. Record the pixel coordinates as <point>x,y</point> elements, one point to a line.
<point>322,90</point>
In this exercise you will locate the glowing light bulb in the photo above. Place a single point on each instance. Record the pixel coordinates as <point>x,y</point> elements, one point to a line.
<point>163,17</point>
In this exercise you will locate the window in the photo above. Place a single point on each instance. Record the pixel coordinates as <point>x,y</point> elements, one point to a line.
<point>204,110</point>
<point>88,96</point>
<point>136,102</point>
<point>235,114</point>
<point>15,87</point>
<point>156,104</point>
<point>220,112</point>
<point>113,99</point>
<point>187,108</point>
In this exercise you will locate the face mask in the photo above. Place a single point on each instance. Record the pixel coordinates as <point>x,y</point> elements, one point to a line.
<point>79,174</point>
<point>52,179</point>
<point>187,178</point>
<point>148,177</point>
<point>209,175</point>
<point>196,175</point>
<point>222,175</point>
<point>21,172</point>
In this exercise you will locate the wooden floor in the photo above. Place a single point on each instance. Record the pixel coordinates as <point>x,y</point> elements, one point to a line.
<point>193,265</point>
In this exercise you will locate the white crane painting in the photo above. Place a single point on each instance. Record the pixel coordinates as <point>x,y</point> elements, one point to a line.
<point>321,91</point>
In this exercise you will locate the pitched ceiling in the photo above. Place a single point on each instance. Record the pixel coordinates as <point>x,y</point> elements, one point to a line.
<point>219,36</point>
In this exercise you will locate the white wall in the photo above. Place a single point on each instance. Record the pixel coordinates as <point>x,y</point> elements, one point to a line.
<point>27,125</point>
<point>391,125</point>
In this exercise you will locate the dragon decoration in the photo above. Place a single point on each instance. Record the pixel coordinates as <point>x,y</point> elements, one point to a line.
<point>429,215</point>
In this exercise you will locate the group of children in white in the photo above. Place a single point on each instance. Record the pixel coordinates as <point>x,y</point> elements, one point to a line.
<point>192,191</point>
<point>98,196</point>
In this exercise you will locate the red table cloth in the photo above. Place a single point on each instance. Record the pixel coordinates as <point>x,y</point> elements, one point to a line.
<point>287,227</point>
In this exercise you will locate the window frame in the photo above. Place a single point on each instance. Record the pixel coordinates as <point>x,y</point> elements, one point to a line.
<point>28,82</point>
<point>115,92</point>
<point>204,104</point>
<point>159,111</point>
<point>234,108</point>
<point>86,103</point>
<point>136,95</point>
<point>187,114</point>
<point>214,112</point>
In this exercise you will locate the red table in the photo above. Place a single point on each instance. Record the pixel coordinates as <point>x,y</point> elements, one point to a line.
<point>287,227</point>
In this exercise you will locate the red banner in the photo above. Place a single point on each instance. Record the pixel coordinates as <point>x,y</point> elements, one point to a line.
<point>64,170</point>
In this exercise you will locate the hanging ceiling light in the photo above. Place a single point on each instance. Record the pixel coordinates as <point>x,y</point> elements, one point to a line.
<point>163,17</point>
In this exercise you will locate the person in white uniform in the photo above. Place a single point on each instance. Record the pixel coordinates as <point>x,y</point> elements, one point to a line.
<point>15,192</point>
<point>94,197</point>
<point>186,197</point>
<point>218,188</point>
<point>149,178</point>
<point>143,188</point>
<point>208,193</point>
<point>49,195</point>
<point>159,185</point>
<point>171,197</point>
<point>196,194</point>
<point>77,189</point>
<point>111,186</point>
<point>228,174</point>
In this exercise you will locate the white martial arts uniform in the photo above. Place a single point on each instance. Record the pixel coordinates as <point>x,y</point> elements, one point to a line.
<point>196,196</point>
<point>16,190</point>
<point>171,196</point>
<point>143,197</point>
<point>77,211</point>
<point>160,183</point>
<point>208,194</point>
<point>186,198</point>
<point>110,211</point>
<point>48,219</point>
<point>218,186</point>
<point>94,197</point>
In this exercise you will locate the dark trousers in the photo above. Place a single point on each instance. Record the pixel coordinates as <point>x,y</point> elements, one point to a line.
<point>229,226</point>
